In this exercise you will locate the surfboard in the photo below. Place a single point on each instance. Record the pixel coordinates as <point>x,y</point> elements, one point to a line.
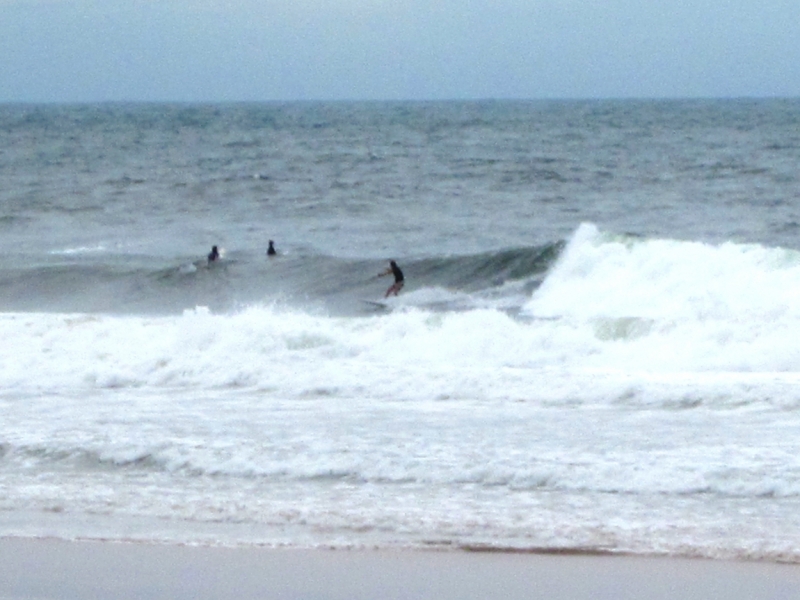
<point>376,304</point>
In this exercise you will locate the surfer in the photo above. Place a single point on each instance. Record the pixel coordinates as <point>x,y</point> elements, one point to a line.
<point>271,250</point>
<point>213,255</point>
<point>398,279</point>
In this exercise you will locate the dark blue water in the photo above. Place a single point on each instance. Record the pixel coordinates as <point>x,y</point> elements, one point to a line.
<point>102,206</point>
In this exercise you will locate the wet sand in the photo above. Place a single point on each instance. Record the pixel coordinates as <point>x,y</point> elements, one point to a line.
<point>44,569</point>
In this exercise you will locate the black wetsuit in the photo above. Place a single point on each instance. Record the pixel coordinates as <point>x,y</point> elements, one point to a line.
<point>398,274</point>
<point>213,255</point>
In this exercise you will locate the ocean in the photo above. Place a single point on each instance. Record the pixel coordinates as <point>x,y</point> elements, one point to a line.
<point>597,348</point>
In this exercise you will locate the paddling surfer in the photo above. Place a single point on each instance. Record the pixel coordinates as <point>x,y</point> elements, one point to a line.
<point>398,279</point>
<point>213,255</point>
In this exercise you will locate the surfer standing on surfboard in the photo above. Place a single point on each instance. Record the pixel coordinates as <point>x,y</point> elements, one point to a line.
<point>398,279</point>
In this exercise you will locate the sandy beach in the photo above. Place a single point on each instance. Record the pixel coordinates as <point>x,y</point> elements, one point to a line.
<point>39,569</point>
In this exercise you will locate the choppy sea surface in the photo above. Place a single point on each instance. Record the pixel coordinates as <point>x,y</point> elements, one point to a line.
<point>597,348</point>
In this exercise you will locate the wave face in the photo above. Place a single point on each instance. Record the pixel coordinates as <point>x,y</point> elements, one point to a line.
<point>95,281</point>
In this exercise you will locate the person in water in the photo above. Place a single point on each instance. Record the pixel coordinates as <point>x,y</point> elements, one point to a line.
<point>398,279</point>
<point>271,250</point>
<point>213,255</point>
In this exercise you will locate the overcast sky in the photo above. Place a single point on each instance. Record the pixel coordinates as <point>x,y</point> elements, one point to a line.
<point>232,50</point>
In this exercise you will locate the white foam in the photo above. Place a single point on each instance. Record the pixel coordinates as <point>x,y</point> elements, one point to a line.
<point>407,354</point>
<point>80,250</point>
<point>671,305</point>
<point>479,427</point>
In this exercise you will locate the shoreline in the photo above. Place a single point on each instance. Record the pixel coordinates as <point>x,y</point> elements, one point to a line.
<point>76,570</point>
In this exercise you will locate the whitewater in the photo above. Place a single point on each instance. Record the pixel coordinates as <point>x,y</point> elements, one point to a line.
<point>626,407</point>
<point>610,304</point>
